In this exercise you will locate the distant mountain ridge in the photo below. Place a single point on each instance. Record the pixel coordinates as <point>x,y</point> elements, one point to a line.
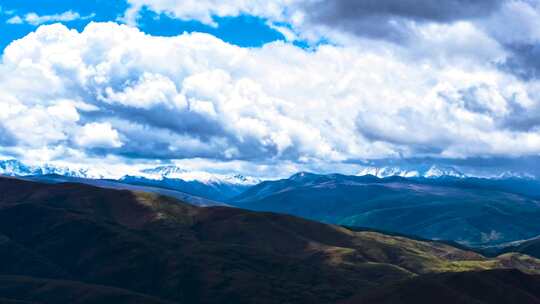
<point>427,172</point>
<point>472,211</point>
<point>212,186</point>
<point>206,185</point>
<point>219,190</point>
<point>14,167</point>
<point>436,171</point>
<point>174,172</point>
<point>223,187</point>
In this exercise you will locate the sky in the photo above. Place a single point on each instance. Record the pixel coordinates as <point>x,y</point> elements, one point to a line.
<point>268,88</point>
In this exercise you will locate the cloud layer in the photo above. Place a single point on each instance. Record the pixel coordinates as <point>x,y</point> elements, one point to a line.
<point>113,90</point>
<point>513,25</point>
<point>390,19</point>
<point>205,10</point>
<point>35,19</point>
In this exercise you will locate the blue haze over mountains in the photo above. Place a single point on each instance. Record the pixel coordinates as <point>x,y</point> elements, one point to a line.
<point>434,203</point>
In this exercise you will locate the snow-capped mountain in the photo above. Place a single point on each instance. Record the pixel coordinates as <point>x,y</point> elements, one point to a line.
<point>16,168</point>
<point>383,172</point>
<point>212,186</point>
<point>164,171</point>
<point>516,175</point>
<point>174,172</point>
<point>436,171</point>
<point>420,171</point>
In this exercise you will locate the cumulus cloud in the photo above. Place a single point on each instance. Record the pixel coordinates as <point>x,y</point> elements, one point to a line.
<point>513,24</point>
<point>35,19</point>
<point>113,90</point>
<point>98,135</point>
<point>384,19</point>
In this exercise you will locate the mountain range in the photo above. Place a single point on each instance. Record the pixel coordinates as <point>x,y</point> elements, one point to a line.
<point>433,203</point>
<point>14,167</point>
<point>436,171</point>
<point>210,186</point>
<point>75,243</point>
<point>475,212</point>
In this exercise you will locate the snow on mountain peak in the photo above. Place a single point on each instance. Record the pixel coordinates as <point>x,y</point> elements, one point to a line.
<point>427,172</point>
<point>436,171</point>
<point>173,172</point>
<point>164,171</point>
<point>382,172</point>
<point>16,168</point>
<point>13,167</point>
<point>518,175</point>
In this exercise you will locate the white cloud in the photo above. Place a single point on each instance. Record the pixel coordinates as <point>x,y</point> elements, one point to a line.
<point>517,21</point>
<point>15,20</point>
<point>205,10</point>
<point>343,21</point>
<point>148,91</point>
<point>35,19</point>
<point>98,135</point>
<point>195,96</point>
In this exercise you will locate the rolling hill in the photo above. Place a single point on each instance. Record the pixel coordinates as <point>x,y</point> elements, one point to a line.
<point>470,211</point>
<point>118,185</point>
<point>59,241</point>
<point>530,247</point>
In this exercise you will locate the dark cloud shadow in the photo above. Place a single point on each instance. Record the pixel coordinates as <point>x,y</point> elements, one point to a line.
<point>524,61</point>
<point>6,138</point>
<point>388,19</point>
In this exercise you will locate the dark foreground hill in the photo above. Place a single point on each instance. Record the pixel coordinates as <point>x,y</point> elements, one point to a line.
<point>73,243</point>
<point>119,185</point>
<point>487,287</point>
<point>47,291</point>
<point>474,212</point>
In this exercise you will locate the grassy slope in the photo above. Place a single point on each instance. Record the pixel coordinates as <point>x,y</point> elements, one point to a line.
<point>471,215</point>
<point>153,245</point>
<point>531,247</point>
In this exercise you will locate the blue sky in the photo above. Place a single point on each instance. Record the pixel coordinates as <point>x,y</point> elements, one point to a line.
<point>103,10</point>
<point>243,30</point>
<point>271,87</point>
